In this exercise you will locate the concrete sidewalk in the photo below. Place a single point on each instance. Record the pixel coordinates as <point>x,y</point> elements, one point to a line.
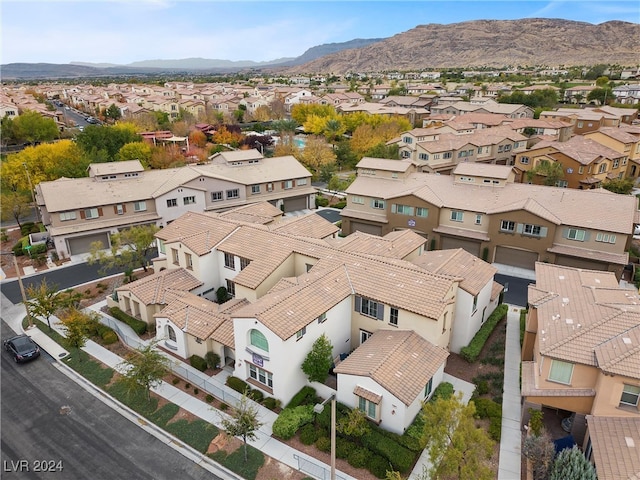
<point>511,435</point>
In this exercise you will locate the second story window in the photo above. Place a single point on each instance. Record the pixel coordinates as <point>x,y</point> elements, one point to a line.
<point>287,184</point>
<point>533,230</point>
<point>90,213</point>
<point>377,203</point>
<point>576,234</point>
<point>189,200</point>
<point>358,200</point>
<point>402,209</point>
<point>507,226</point>
<point>244,263</point>
<point>524,160</point>
<point>229,261</point>
<point>457,215</point>
<point>605,238</point>
<point>422,212</point>
<point>369,308</point>
<point>478,219</point>
<point>216,196</point>
<point>64,216</point>
<point>233,193</point>
<point>172,202</point>
<point>255,189</point>
<point>603,168</point>
<point>188,260</point>
<point>393,316</point>
<point>139,206</point>
<point>301,181</point>
<point>175,257</point>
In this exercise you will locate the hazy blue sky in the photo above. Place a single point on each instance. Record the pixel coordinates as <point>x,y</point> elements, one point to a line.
<point>124,31</point>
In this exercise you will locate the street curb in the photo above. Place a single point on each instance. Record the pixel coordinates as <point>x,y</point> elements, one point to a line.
<point>151,428</point>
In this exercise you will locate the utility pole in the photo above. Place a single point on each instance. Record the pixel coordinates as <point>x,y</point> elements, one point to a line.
<point>33,195</point>
<point>22,291</point>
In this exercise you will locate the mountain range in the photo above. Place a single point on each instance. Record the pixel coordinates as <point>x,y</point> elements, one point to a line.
<point>479,43</point>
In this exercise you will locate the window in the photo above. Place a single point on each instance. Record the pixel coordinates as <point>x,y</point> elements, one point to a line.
<point>287,184</point>
<point>189,200</point>
<point>393,316</point>
<point>603,168</point>
<point>269,187</point>
<point>229,261</point>
<point>301,181</point>
<point>364,336</point>
<point>260,375</point>
<point>560,372</point>
<point>446,155</point>
<point>580,170</point>
<point>119,209</point>
<point>369,308</point>
<point>234,193</point>
<point>216,196</point>
<point>367,407</point>
<point>64,216</point>
<point>507,148</point>
<point>188,260</point>
<point>423,156</point>
<point>428,388</point>
<point>475,303</point>
<point>300,333</point>
<point>616,163</point>
<point>534,230</point>
<point>605,238</point>
<point>524,160</point>
<point>139,206</point>
<point>422,212</point>
<point>174,255</point>
<point>172,202</point>
<point>575,234</point>
<point>358,200</point>
<point>402,209</point>
<point>580,124</point>
<point>407,140</point>
<point>91,213</point>
<point>171,333</point>
<point>630,395</point>
<point>444,322</point>
<point>562,184</point>
<point>257,339</point>
<point>255,189</point>
<point>478,219</point>
<point>322,318</point>
<point>456,215</point>
<point>231,288</point>
<point>377,203</point>
<point>244,263</point>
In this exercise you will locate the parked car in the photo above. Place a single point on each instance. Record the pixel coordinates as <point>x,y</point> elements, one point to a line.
<point>22,347</point>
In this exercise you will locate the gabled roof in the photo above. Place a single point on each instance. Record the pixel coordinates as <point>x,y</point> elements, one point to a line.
<point>309,225</point>
<point>385,164</point>
<point>400,361</point>
<point>621,354</point>
<point>197,231</point>
<point>162,287</point>
<point>397,244</point>
<point>616,446</point>
<point>483,170</point>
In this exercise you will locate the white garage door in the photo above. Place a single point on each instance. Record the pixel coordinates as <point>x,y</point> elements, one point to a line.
<point>516,258</point>
<point>366,228</point>
<point>471,246</point>
<point>83,244</point>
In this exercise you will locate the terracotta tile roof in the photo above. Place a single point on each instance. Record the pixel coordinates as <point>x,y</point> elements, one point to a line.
<point>396,244</point>
<point>162,287</point>
<point>462,232</point>
<point>384,164</point>
<point>199,232</point>
<point>120,221</point>
<point>260,212</point>
<point>310,225</point>
<point>597,255</point>
<point>616,446</point>
<point>400,361</point>
<point>368,394</point>
<point>483,170</point>
<point>111,168</point>
<point>616,134</point>
<point>373,217</point>
<point>496,290</point>
<point>621,354</point>
<point>583,150</point>
<point>473,272</point>
<point>530,386</point>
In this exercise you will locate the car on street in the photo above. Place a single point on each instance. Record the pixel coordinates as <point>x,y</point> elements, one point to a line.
<point>22,348</point>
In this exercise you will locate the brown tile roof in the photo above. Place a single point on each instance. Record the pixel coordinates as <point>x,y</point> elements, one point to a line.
<point>384,164</point>
<point>259,212</point>
<point>462,232</point>
<point>473,272</point>
<point>368,394</point>
<point>621,354</point>
<point>583,150</point>
<point>496,290</point>
<point>162,287</point>
<point>396,244</point>
<point>596,255</point>
<point>483,170</point>
<point>401,361</point>
<point>616,446</point>
<point>310,225</point>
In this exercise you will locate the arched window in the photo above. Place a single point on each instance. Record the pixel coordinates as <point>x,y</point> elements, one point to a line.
<point>172,333</point>
<point>257,339</point>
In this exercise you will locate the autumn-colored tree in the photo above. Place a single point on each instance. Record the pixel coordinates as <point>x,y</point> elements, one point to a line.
<point>224,136</point>
<point>316,153</point>
<point>135,151</point>
<point>145,122</point>
<point>104,142</point>
<point>169,156</point>
<point>180,128</point>
<point>277,108</point>
<point>286,146</point>
<point>144,368</point>
<point>129,249</point>
<point>301,111</point>
<point>77,326</point>
<point>197,139</point>
<point>363,139</point>
<point>333,129</point>
<point>262,113</point>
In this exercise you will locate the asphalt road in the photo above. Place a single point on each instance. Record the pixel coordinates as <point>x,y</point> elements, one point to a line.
<point>88,441</point>
<point>516,293</point>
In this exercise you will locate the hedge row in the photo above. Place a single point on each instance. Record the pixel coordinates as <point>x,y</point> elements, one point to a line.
<point>291,419</point>
<point>306,396</point>
<point>401,458</point>
<point>486,408</point>
<point>254,394</point>
<point>138,326</point>
<point>197,362</point>
<point>472,351</point>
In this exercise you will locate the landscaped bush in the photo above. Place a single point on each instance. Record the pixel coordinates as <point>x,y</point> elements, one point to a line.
<point>486,408</point>
<point>400,457</point>
<point>271,403</point>
<point>308,434</point>
<point>344,447</point>
<point>306,396</point>
<point>359,457</point>
<point>237,384</point>
<point>29,227</point>
<point>471,352</point>
<point>444,391</point>
<point>256,395</point>
<point>379,466</point>
<point>198,362</point>
<point>495,428</point>
<point>138,326</point>
<point>324,444</point>
<point>523,324</point>
<point>208,398</point>
<point>213,359</point>
<point>38,249</point>
<point>109,337</point>
<point>341,204</point>
<point>482,387</point>
<point>321,201</point>
<point>291,419</point>
<point>17,249</point>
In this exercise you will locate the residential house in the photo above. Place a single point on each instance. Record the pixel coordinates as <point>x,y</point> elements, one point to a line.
<point>578,94</point>
<point>480,208</point>
<point>623,141</point>
<point>580,349</point>
<point>586,163</point>
<point>613,445</point>
<point>627,94</point>
<point>486,106</point>
<point>625,115</point>
<point>583,120</point>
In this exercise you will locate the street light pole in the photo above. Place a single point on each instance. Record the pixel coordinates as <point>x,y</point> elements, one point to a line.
<point>22,291</point>
<point>33,195</point>
<point>318,408</point>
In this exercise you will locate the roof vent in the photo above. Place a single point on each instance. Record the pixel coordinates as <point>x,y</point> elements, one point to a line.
<point>561,277</point>
<point>597,280</point>
<point>626,340</point>
<point>629,441</point>
<point>569,321</point>
<point>565,299</point>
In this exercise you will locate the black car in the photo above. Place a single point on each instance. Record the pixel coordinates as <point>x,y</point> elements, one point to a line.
<point>22,348</point>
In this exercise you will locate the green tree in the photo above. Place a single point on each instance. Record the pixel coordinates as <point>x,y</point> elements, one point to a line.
<point>551,171</point>
<point>31,127</point>
<point>603,96</point>
<point>318,361</point>
<point>77,327</point>
<point>571,464</point>
<point>457,448</point>
<point>144,368</point>
<point>135,151</point>
<point>623,185</point>
<point>354,424</point>
<point>45,300</point>
<point>242,422</point>
<point>129,249</point>
<point>602,82</point>
<point>540,451</point>
<point>102,143</point>
<point>15,205</point>
<point>113,112</point>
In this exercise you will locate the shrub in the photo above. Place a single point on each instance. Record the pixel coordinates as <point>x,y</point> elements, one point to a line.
<point>17,249</point>
<point>27,228</point>
<point>495,428</point>
<point>223,406</point>
<point>486,408</point>
<point>400,457</point>
<point>271,403</point>
<point>213,359</point>
<point>222,295</point>
<point>444,391</point>
<point>198,362</point>
<point>256,395</point>
<point>291,419</point>
<point>109,337</point>
<point>175,381</point>
<point>471,352</point>
<point>38,249</point>
<point>196,391</point>
<point>308,434</point>
<point>208,398</point>
<point>323,444</point>
<point>482,387</point>
<point>359,457</point>
<point>535,422</point>
<point>341,204</point>
<point>138,326</point>
<point>321,201</point>
<point>306,396</point>
<point>237,384</point>
<point>187,385</point>
<point>379,466</point>
<point>344,447</point>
